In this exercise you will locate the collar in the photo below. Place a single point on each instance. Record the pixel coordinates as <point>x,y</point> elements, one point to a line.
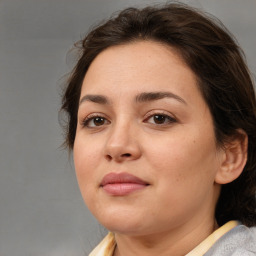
<point>204,246</point>
<point>106,247</point>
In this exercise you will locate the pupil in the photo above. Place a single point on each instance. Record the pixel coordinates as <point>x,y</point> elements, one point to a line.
<point>158,119</point>
<point>98,121</point>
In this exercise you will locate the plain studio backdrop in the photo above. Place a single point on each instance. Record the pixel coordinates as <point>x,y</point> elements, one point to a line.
<point>41,209</point>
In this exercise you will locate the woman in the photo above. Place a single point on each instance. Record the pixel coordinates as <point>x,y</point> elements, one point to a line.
<point>161,120</point>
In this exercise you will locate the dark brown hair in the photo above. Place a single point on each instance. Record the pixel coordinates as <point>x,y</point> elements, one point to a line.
<point>223,78</point>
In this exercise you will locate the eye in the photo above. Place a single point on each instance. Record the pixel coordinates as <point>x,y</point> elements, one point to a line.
<point>94,121</point>
<point>160,119</point>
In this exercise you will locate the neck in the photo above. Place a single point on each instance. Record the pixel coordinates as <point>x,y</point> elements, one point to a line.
<point>175,242</point>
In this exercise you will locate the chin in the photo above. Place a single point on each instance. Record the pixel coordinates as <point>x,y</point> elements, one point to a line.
<point>123,221</point>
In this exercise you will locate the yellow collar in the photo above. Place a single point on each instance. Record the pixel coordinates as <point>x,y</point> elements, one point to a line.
<point>106,247</point>
<point>204,246</point>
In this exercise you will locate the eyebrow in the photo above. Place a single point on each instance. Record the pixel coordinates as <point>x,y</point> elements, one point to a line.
<point>100,99</point>
<point>151,96</point>
<point>142,97</point>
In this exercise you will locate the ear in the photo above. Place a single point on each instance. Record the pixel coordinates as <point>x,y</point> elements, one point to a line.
<point>234,158</point>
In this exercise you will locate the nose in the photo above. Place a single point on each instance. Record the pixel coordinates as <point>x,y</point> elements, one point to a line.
<point>122,144</point>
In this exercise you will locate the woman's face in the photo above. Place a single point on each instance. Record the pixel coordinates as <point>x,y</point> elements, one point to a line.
<point>145,153</point>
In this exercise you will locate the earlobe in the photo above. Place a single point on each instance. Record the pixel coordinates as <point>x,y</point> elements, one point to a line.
<point>234,158</point>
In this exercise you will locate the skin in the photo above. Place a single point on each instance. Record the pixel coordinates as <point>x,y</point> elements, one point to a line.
<point>178,158</point>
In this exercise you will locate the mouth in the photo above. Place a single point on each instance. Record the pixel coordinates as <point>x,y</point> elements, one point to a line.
<point>121,184</point>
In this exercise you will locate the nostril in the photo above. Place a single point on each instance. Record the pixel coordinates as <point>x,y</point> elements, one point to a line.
<point>126,155</point>
<point>108,157</point>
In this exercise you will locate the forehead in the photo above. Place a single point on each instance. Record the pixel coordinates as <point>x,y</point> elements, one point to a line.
<point>136,67</point>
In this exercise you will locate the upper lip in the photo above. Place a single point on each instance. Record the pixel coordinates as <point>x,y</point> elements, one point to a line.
<point>113,178</point>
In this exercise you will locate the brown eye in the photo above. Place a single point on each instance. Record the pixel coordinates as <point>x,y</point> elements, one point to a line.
<point>96,121</point>
<point>160,119</point>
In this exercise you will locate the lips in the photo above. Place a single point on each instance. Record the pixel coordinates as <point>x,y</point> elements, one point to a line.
<point>121,184</point>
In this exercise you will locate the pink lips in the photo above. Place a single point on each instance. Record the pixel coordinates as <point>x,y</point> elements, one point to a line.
<point>120,184</point>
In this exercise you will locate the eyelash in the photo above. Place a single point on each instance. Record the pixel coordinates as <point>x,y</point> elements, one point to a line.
<point>168,118</point>
<point>88,119</point>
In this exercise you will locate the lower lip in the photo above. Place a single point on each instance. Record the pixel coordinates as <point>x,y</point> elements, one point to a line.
<point>122,189</point>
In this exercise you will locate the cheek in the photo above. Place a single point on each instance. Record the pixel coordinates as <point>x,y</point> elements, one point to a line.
<point>190,157</point>
<point>184,171</point>
<point>86,157</point>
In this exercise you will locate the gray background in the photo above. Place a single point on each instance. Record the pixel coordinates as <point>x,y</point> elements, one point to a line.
<point>41,210</point>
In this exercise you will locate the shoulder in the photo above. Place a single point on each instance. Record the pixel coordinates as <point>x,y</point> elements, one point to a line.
<point>239,241</point>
